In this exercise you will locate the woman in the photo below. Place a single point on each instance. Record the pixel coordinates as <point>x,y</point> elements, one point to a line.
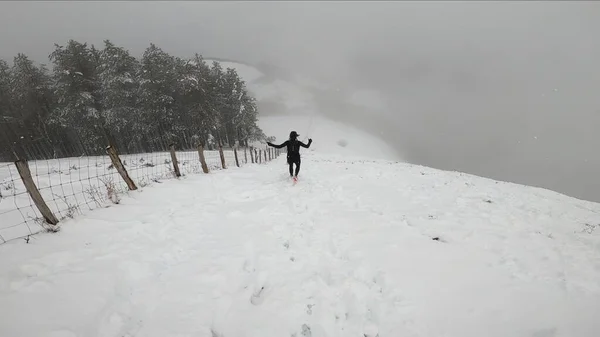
<point>293,152</point>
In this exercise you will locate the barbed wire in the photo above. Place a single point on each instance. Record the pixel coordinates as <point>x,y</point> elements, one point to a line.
<point>77,177</point>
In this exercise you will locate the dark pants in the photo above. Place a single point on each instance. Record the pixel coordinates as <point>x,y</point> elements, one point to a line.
<point>291,161</point>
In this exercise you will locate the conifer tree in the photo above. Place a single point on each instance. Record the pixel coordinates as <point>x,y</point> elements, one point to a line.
<point>158,82</point>
<point>32,100</point>
<point>97,97</point>
<point>79,101</point>
<point>118,92</point>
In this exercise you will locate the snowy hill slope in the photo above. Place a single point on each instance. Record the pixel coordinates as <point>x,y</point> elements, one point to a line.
<point>356,248</point>
<point>287,105</point>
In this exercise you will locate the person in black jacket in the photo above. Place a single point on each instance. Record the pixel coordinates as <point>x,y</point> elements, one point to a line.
<point>293,151</point>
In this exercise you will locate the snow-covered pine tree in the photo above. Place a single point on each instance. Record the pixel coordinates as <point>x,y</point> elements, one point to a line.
<point>119,88</point>
<point>7,116</point>
<point>32,99</point>
<point>194,101</point>
<point>93,95</point>
<point>79,105</point>
<point>184,90</point>
<point>220,92</point>
<point>158,85</point>
<point>247,127</point>
<point>5,92</point>
<point>225,96</point>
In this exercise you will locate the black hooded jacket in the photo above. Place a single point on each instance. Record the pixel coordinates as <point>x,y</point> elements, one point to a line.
<point>293,147</point>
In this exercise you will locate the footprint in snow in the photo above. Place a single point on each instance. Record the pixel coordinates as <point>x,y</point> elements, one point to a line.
<point>257,297</point>
<point>306,331</point>
<point>261,289</point>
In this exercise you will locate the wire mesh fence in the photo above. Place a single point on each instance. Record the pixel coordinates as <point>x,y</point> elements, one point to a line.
<point>82,176</point>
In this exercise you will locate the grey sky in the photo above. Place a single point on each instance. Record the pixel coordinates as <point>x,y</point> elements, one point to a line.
<point>508,90</point>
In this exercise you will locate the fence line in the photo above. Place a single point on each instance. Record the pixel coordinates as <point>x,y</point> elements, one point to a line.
<point>72,185</point>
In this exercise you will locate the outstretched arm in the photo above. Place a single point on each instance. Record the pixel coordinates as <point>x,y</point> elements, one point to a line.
<point>278,146</point>
<point>305,145</point>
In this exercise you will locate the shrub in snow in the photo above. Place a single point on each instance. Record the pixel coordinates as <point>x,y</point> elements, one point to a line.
<point>111,190</point>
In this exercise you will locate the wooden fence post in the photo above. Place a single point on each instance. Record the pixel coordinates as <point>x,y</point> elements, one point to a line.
<point>202,159</point>
<point>222,157</point>
<point>33,191</point>
<point>245,156</point>
<point>256,158</point>
<point>269,150</point>
<point>237,163</point>
<point>114,157</point>
<point>265,153</point>
<point>260,156</point>
<point>174,160</point>
<point>252,155</point>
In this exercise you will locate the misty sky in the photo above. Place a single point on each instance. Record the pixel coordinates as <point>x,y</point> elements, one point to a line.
<point>508,90</point>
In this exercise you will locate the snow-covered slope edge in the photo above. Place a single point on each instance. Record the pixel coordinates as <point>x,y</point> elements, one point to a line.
<point>285,106</point>
<point>357,248</point>
<point>329,137</point>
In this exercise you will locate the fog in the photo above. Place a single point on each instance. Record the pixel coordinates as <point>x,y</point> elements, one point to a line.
<point>506,90</point>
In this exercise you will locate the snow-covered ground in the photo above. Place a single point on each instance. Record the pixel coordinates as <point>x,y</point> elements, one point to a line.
<point>356,248</point>
<point>70,186</point>
<point>359,247</point>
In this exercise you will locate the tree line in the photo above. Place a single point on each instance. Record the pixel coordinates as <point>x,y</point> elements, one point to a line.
<point>93,97</point>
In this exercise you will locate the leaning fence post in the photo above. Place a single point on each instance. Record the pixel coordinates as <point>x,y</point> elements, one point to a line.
<point>33,191</point>
<point>252,155</point>
<point>245,156</point>
<point>256,157</point>
<point>265,154</point>
<point>174,160</point>
<point>114,157</point>
<point>237,163</point>
<point>202,159</point>
<point>222,157</point>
